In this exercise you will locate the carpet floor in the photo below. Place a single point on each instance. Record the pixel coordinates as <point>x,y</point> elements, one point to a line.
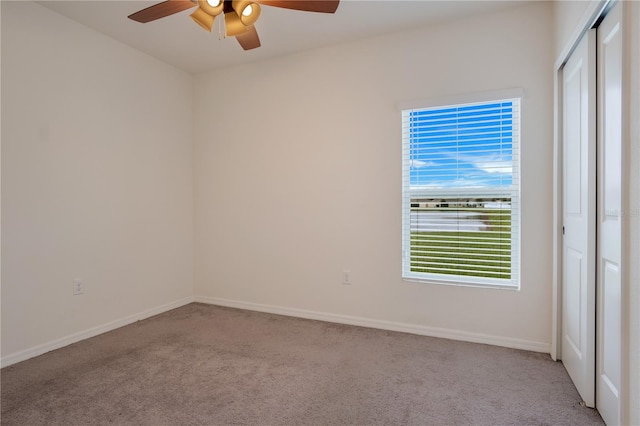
<point>209,365</point>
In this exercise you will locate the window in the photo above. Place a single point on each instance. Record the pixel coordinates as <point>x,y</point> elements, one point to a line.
<point>461,193</point>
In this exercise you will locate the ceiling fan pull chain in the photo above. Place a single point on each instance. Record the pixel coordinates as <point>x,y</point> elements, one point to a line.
<point>221,32</point>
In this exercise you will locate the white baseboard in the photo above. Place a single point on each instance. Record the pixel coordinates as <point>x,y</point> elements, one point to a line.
<point>292,312</point>
<point>444,333</point>
<point>76,337</point>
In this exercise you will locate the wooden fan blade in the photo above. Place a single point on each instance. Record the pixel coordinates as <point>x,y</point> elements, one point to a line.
<point>249,40</point>
<point>323,6</point>
<point>161,10</point>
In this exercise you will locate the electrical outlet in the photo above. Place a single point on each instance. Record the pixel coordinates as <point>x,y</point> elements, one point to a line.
<point>78,287</point>
<point>346,277</point>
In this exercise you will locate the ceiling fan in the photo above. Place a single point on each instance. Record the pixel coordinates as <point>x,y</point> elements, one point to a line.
<point>239,15</point>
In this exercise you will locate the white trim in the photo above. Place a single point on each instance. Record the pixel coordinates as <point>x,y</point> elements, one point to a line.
<point>590,16</point>
<point>410,192</point>
<point>556,290</point>
<point>631,12</point>
<point>421,330</point>
<point>465,98</point>
<point>92,332</point>
<point>630,22</point>
<point>473,282</point>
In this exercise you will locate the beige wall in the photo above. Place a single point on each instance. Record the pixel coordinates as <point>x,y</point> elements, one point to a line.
<point>298,176</point>
<point>96,180</point>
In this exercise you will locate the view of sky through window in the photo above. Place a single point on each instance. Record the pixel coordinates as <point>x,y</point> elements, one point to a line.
<point>467,146</point>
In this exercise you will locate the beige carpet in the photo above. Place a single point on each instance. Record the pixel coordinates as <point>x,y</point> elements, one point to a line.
<point>208,365</point>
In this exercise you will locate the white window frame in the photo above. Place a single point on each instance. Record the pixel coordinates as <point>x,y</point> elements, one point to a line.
<point>513,192</point>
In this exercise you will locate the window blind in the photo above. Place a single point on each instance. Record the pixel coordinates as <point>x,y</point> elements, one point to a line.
<point>461,193</point>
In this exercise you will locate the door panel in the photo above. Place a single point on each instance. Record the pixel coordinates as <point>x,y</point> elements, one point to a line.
<point>610,302</point>
<point>609,282</point>
<point>573,335</point>
<point>579,184</point>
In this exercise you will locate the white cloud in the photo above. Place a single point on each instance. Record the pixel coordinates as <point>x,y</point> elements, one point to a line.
<point>501,167</point>
<point>492,164</point>
<point>418,164</point>
<point>456,183</point>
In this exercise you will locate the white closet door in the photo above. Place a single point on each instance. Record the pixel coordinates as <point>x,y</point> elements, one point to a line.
<point>609,282</point>
<point>579,184</point>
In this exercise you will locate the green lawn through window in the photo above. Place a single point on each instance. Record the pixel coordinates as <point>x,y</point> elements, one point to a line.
<point>472,253</point>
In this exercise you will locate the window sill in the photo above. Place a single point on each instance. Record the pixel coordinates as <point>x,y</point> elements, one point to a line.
<point>494,286</point>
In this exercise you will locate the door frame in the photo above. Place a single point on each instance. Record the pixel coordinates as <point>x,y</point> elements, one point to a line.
<point>591,16</point>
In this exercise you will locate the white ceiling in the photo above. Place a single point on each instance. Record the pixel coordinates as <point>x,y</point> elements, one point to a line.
<point>178,41</point>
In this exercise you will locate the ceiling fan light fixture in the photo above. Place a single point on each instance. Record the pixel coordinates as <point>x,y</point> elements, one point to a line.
<point>212,7</point>
<point>248,11</point>
<point>203,19</point>
<point>233,24</point>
